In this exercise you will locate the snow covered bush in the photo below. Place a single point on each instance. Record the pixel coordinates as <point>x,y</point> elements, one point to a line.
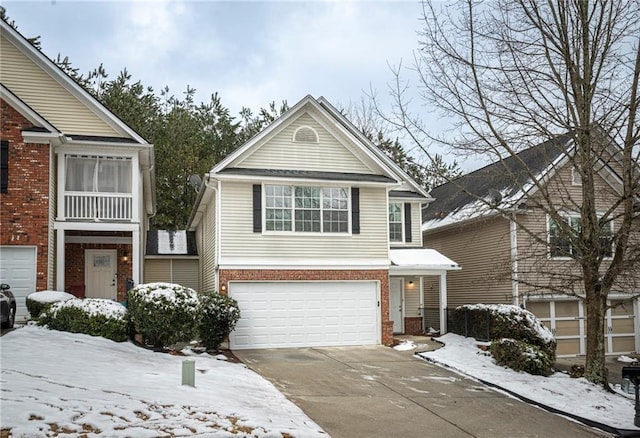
<point>37,301</point>
<point>497,321</point>
<point>91,316</point>
<point>520,356</point>
<point>164,313</point>
<point>220,313</point>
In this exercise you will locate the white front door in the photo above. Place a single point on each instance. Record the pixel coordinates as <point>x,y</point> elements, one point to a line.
<point>100,273</point>
<point>396,301</point>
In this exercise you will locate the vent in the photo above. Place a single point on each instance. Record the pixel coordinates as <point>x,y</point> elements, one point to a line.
<point>305,134</point>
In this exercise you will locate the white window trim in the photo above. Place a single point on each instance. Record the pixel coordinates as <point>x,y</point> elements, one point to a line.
<point>295,133</point>
<point>306,233</point>
<point>402,226</point>
<point>576,178</point>
<point>570,215</point>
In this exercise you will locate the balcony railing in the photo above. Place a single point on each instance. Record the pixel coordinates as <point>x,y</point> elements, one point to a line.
<point>98,206</point>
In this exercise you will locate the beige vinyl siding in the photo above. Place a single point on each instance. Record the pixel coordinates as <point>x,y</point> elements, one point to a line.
<point>482,249</point>
<point>170,270</point>
<point>431,293</point>
<point>208,261</point>
<point>411,297</point>
<point>46,96</point>
<point>533,259</point>
<point>416,222</point>
<point>157,270</point>
<point>239,240</point>
<point>185,272</point>
<point>280,152</point>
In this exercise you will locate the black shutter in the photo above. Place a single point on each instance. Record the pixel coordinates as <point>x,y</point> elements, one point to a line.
<point>355,210</point>
<point>407,222</point>
<point>4,166</point>
<point>257,208</point>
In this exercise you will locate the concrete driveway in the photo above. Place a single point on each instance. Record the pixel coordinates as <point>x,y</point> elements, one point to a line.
<point>380,392</point>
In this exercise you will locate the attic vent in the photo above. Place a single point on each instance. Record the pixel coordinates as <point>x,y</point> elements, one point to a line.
<point>305,134</point>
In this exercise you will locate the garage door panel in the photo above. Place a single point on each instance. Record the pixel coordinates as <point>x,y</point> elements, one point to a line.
<point>295,314</point>
<point>18,269</point>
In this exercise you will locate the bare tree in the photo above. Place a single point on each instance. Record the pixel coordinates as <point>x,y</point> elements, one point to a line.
<point>513,73</point>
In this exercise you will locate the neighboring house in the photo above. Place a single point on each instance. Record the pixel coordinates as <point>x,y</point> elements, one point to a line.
<point>77,183</point>
<point>505,264</point>
<point>316,233</point>
<point>172,257</point>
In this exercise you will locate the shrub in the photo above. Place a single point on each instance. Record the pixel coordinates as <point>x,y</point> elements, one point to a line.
<point>91,316</point>
<point>520,356</point>
<point>37,301</point>
<point>497,321</point>
<point>220,313</point>
<point>164,313</point>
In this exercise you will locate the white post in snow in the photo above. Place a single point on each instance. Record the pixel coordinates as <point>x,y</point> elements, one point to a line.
<point>443,303</point>
<point>189,372</point>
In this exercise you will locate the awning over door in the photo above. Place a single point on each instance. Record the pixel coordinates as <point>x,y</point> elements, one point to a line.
<point>420,261</point>
<point>423,262</point>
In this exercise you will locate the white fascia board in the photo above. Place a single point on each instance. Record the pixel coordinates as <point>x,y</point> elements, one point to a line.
<point>48,66</point>
<point>293,181</point>
<point>420,271</point>
<point>269,130</point>
<point>96,226</point>
<point>91,143</point>
<point>25,110</point>
<point>41,137</point>
<point>301,263</point>
<point>371,147</point>
<point>105,149</point>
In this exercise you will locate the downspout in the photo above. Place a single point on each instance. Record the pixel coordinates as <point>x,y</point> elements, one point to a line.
<point>513,237</point>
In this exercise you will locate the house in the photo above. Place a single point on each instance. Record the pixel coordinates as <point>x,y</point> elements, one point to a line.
<point>77,183</point>
<point>172,257</point>
<point>316,233</point>
<point>525,262</point>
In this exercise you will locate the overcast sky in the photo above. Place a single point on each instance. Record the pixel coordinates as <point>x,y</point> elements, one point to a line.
<point>251,53</point>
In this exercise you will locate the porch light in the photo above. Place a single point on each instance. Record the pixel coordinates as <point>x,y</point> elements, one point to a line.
<point>223,287</point>
<point>125,256</point>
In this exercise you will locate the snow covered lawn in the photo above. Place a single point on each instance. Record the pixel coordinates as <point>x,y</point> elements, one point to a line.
<point>63,383</point>
<point>559,391</point>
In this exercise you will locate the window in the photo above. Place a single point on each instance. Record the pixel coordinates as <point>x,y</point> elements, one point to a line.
<point>560,242</point>
<point>305,134</point>
<point>576,177</point>
<point>98,174</point>
<point>395,222</point>
<point>4,166</point>
<point>306,209</point>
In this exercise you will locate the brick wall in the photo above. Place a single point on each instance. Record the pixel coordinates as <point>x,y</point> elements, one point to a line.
<point>24,209</point>
<point>381,275</point>
<point>74,264</point>
<point>413,325</point>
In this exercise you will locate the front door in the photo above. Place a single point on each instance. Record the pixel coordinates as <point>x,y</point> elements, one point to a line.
<point>396,299</point>
<point>100,273</point>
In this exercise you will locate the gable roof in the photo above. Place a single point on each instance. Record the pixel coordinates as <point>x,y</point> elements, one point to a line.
<point>389,171</point>
<point>506,180</point>
<point>66,82</point>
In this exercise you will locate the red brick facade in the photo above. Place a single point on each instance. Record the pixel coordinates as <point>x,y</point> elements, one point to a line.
<point>413,325</point>
<point>24,209</point>
<point>74,264</point>
<point>382,276</point>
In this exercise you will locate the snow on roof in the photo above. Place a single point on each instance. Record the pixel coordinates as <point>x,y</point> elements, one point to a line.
<point>421,258</point>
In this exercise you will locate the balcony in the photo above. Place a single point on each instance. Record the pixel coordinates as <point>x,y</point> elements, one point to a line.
<point>98,206</point>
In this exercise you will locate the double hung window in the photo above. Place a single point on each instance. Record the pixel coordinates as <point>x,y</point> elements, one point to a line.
<point>307,209</point>
<point>395,222</point>
<point>560,242</point>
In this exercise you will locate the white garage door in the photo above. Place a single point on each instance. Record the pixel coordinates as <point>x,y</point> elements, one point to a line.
<point>18,269</point>
<point>305,314</point>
